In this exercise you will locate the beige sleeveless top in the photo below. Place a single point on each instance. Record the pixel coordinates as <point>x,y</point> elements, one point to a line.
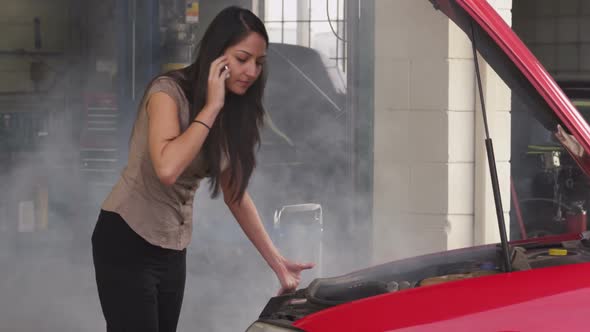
<point>161,214</point>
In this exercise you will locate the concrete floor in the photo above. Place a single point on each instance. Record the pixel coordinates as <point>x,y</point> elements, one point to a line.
<point>51,288</point>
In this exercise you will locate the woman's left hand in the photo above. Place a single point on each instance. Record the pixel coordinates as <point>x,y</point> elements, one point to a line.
<point>289,274</point>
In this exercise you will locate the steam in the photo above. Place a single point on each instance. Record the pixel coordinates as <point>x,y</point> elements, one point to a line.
<point>46,273</point>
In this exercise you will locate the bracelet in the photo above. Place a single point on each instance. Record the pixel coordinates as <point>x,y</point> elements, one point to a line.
<point>203,123</point>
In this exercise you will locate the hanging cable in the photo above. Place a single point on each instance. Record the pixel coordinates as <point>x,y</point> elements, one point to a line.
<point>330,21</point>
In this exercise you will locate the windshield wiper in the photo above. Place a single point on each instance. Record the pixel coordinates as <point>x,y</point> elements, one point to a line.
<point>492,163</point>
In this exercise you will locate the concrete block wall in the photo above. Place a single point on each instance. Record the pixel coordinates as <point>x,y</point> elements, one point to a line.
<point>558,34</point>
<point>425,118</point>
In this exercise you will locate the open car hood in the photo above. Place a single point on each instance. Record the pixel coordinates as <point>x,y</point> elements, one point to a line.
<point>517,66</point>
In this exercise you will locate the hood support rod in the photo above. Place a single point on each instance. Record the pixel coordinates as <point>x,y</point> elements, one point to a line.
<point>492,163</point>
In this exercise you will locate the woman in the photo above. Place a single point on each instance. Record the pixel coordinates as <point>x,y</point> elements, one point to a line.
<point>200,121</point>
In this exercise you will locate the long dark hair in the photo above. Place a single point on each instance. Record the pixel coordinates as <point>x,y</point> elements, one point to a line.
<point>236,129</point>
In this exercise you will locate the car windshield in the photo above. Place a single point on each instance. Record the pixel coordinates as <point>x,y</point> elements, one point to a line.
<point>549,192</point>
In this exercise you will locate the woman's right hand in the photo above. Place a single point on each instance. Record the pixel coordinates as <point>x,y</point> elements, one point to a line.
<point>218,73</point>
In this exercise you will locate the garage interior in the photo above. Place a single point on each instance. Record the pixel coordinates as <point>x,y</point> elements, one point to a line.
<point>74,71</point>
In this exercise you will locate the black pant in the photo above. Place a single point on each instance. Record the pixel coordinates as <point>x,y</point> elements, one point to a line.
<point>140,286</point>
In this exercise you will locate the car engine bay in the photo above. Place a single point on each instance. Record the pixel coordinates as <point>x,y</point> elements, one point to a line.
<point>422,271</point>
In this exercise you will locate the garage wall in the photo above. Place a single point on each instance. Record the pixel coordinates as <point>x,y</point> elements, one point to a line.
<point>425,181</point>
<point>558,33</point>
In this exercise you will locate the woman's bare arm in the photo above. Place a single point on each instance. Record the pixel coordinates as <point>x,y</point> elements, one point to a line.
<point>245,213</point>
<point>170,151</point>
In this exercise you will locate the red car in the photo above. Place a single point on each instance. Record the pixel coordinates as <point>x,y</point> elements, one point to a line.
<point>538,284</point>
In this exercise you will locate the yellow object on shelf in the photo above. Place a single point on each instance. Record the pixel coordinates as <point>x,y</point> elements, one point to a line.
<point>582,103</point>
<point>557,252</point>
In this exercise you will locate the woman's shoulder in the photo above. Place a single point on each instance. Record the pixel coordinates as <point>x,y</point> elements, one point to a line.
<point>168,85</point>
<point>164,81</point>
<point>172,88</point>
